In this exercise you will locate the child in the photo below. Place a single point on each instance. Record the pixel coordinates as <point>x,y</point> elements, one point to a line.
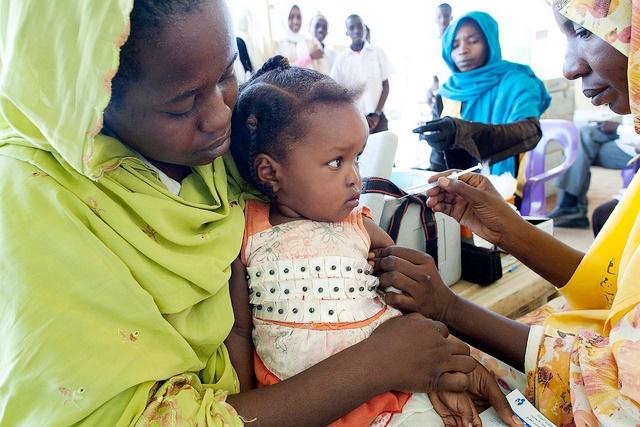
<point>365,67</point>
<point>297,136</point>
<point>296,46</point>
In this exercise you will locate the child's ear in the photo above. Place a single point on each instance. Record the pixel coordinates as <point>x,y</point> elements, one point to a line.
<point>268,171</point>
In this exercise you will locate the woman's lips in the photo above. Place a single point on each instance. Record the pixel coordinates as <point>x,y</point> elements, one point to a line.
<point>598,95</point>
<point>218,141</point>
<point>217,147</point>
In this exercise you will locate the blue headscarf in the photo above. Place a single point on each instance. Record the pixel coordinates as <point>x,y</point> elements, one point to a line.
<point>498,92</point>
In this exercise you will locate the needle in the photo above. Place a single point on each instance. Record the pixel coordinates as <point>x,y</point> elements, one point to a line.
<point>456,175</point>
<point>452,175</point>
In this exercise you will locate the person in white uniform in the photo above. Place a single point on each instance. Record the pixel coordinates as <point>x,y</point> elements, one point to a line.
<point>366,68</point>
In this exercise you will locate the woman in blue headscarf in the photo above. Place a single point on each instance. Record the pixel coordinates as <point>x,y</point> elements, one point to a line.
<point>490,106</point>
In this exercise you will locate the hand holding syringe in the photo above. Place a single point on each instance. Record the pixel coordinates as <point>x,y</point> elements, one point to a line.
<point>422,188</point>
<point>453,175</point>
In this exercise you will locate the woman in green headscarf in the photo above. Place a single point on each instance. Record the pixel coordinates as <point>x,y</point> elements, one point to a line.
<point>119,223</point>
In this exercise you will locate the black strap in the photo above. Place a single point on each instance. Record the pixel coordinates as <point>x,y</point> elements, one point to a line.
<point>376,185</point>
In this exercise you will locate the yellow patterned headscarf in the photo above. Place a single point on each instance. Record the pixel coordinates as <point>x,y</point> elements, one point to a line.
<point>618,23</point>
<point>114,299</point>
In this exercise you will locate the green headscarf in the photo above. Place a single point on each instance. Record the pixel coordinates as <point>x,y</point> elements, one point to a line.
<point>113,291</point>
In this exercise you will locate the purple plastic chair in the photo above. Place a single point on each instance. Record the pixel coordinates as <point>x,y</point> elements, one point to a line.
<point>566,134</point>
<point>629,172</point>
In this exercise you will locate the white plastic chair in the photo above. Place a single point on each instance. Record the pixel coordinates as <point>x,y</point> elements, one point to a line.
<point>377,161</point>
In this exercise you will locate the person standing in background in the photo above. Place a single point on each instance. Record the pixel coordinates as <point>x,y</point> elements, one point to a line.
<point>319,28</point>
<point>364,67</point>
<point>438,70</point>
<point>300,50</point>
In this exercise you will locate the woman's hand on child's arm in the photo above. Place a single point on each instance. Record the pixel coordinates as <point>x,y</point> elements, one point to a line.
<point>443,364</point>
<point>415,274</point>
<point>408,353</point>
<point>239,342</point>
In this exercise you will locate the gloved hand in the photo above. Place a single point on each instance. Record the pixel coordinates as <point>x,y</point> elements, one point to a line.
<point>440,134</point>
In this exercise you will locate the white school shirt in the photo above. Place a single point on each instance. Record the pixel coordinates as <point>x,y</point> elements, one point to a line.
<point>365,70</point>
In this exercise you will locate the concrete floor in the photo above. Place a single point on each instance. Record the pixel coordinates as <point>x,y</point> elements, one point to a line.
<point>604,184</point>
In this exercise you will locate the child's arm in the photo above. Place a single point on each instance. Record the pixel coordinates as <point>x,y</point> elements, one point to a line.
<point>379,238</point>
<point>239,340</point>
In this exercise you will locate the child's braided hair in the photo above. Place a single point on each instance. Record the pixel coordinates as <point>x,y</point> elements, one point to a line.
<point>268,116</point>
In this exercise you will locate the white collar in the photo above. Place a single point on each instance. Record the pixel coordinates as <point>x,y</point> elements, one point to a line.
<point>367,46</point>
<point>172,185</point>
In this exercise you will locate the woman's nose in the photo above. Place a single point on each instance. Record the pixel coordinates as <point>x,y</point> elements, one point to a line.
<point>575,66</point>
<point>215,114</point>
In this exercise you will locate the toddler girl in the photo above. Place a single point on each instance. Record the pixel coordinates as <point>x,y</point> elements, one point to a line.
<point>297,136</point>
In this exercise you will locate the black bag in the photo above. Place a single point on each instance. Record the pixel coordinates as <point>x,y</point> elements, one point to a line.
<point>427,217</point>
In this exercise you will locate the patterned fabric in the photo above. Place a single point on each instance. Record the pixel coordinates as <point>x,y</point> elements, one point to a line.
<point>283,267</point>
<point>587,370</point>
<point>111,287</point>
<point>312,297</point>
<point>618,23</point>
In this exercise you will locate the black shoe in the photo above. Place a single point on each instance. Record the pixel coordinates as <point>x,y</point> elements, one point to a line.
<point>562,211</point>
<point>575,221</point>
<point>569,217</point>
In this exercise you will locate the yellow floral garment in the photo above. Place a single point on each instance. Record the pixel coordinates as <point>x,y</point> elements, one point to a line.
<point>586,369</point>
<point>114,299</point>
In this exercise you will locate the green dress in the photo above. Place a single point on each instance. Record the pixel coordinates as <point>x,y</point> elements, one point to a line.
<point>114,300</point>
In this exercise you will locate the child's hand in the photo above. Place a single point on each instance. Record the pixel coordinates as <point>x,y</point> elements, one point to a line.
<point>415,274</point>
<point>455,409</point>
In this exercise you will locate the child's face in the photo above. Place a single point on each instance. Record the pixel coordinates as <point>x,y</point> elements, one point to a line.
<point>295,19</point>
<point>179,109</point>
<point>469,47</point>
<point>320,29</point>
<point>443,18</point>
<point>355,29</point>
<point>320,178</point>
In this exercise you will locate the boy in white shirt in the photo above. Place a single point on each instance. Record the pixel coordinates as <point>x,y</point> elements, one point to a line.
<point>364,67</point>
